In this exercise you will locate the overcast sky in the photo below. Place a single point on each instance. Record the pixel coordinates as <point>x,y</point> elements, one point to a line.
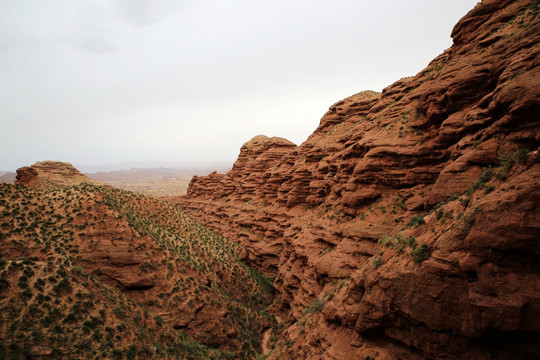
<point>105,81</point>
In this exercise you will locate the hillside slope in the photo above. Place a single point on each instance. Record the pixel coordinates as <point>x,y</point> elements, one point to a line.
<point>89,271</point>
<point>407,225</point>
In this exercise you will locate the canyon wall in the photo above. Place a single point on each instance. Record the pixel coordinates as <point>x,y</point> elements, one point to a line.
<point>407,224</point>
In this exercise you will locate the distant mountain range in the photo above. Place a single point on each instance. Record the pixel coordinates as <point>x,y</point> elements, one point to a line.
<point>158,181</point>
<point>188,166</point>
<point>7,176</point>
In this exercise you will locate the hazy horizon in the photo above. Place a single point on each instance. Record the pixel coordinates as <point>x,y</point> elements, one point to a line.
<point>149,164</point>
<point>193,166</point>
<point>115,81</point>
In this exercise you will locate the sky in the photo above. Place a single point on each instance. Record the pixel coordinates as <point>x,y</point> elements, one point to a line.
<point>110,81</point>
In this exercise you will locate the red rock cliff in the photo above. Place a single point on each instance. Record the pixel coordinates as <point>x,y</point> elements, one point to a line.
<point>407,225</point>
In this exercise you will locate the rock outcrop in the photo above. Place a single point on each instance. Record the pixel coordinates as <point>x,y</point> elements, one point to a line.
<point>51,172</point>
<point>407,225</point>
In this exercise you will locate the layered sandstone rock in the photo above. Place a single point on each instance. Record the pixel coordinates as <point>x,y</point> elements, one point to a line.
<point>448,158</point>
<point>56,172</point>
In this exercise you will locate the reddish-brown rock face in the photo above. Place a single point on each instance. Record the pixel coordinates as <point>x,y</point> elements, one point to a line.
<point>407,225</point>
<point>55,172</point>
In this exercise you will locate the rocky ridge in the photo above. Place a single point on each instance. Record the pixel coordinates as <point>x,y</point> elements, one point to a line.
<point>406,226</point>
<point>51,173</point>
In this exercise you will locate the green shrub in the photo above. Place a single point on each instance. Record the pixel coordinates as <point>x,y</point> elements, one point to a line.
<point>131,352</point>
<point>421,253</point>
<point>416,221</point>
<point>159,320</point>
<point>64,284</point>
<point>508,159</point>
<point>502,174</point>
<point>400,246</point>
<point>521,155</point>
<point>117,354</point>
<point>485,176</point>
<point>23,282</point>
<point>466,223</point>
<point>386,241</point>
<point>120,310</point>
<point>411,241</point>
<point>70,318</point>
<point>376,262</point>
<point>316,306</point>
<point>147,266</point>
